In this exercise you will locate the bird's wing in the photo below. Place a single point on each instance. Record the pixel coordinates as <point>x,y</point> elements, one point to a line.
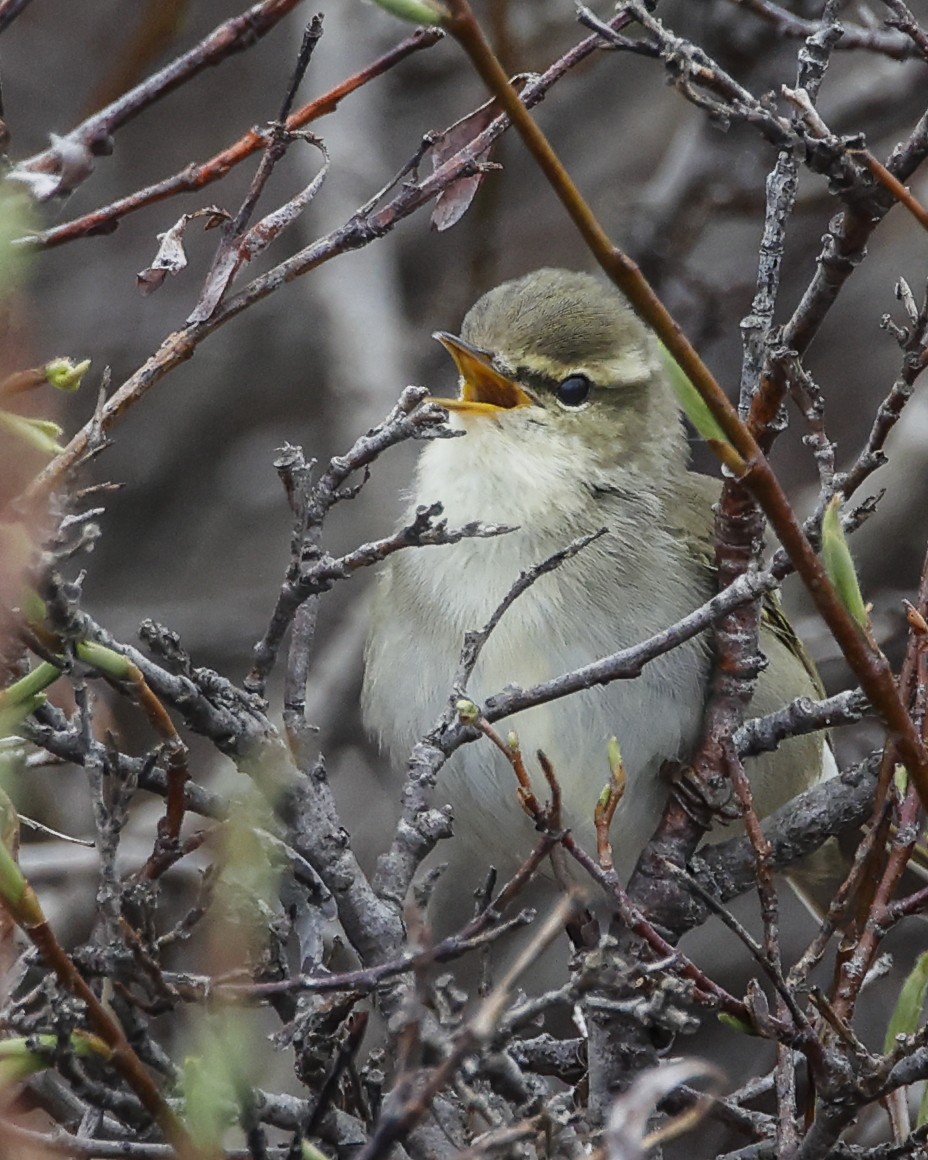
<point>697,527</point>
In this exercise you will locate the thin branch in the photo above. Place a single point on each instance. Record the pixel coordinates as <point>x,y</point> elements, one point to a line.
<point>854,37</point>
<point>71,157</point>
<point>199,176</point>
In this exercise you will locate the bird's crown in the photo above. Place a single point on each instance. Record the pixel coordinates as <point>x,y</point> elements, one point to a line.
<point>552,322</point>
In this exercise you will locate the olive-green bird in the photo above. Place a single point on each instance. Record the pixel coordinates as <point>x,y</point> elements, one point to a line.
<point>571,425</point>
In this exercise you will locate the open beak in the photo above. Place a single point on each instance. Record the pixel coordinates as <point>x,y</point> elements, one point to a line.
<point>483,389</point>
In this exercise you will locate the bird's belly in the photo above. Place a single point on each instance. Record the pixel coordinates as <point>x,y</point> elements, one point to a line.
<point>647,717</point>
<point>549,630</point>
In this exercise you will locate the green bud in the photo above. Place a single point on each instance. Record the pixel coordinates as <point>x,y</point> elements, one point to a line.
<point>27,687</point>
<point>18,700</point>
<point>42,434</point>
<point>206,1101</point>
<point>907,1013</point>
<point>23,1056</point>
<point>32,606</point>
<point>467,711</point>
<point>696,409</point>
<point>16,218</point>
<point>735,1023</point>
<point>65,375</point>
<point>18,1060</point>
<point>836,558</point>
<point>85,1043</point>
<point>12,717</point>
<point>9,819</point>
<point>512,740</point>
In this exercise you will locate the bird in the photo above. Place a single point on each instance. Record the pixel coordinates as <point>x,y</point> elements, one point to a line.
<point>570,425</point>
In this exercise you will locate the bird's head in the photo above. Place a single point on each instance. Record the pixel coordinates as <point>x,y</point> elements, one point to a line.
<point>561,357</point>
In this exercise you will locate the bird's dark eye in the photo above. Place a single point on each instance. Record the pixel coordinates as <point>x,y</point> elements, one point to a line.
<point>573,390</point>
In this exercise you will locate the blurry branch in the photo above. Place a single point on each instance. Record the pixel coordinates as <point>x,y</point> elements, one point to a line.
<point>487,927</point>
<point>627,1136</point>
<point>70,159</point>
<point>475,1034</point>
<point>913,340</point>
<point>198,176</point>
<point>9,10</point>
<point>896,45</point>
<point>903,19</point>
<point>19,899</point>
<point>159,23</point>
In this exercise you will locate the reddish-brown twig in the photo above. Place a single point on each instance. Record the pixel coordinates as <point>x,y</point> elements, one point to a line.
<point>894,185</point>
<point>193,177</point>
<point>230,36</point>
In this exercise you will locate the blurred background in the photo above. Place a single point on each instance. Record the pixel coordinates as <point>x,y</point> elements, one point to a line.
<point>198,535</point>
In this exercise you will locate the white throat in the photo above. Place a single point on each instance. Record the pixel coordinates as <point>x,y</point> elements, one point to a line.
<point>505,471</point>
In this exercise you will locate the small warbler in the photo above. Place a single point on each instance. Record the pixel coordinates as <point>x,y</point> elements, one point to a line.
<point>571,425</point>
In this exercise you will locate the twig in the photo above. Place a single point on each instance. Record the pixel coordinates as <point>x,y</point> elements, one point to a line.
<point>311,571</point>
<point>895,187</point>
<point>763,734</point>
<point>903,19</point>
<point>239,244</point>
<point>475,641</point>
<point>71,157</point>
<point>853,37</point>
<point>198,176</point>
<point>604,876</point>
<point>394,1125</point>
<point>912,340</point>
